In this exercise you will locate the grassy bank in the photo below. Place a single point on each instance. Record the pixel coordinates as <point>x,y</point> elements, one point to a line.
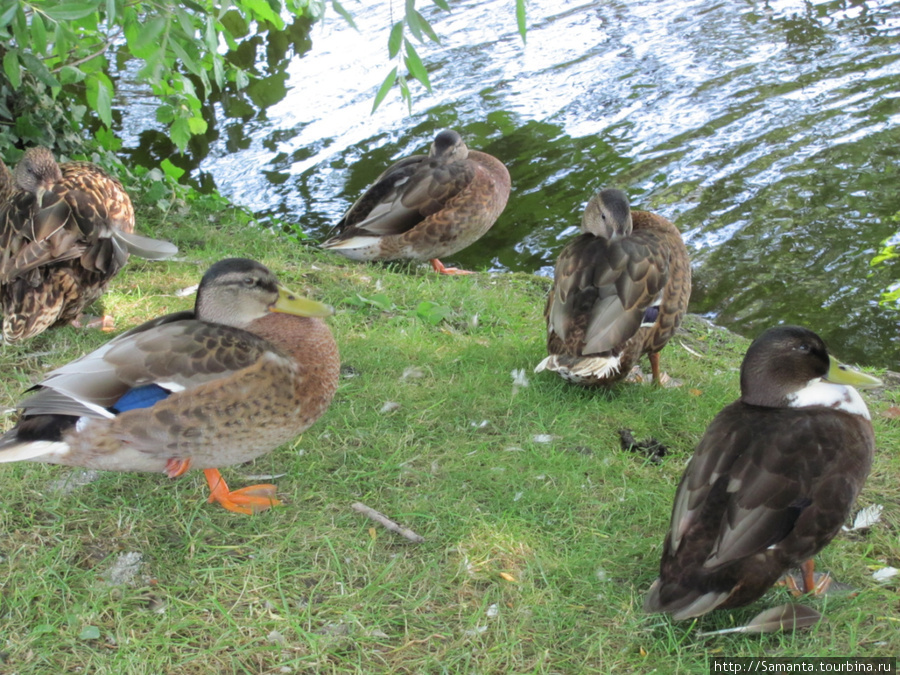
<point>541,533</point>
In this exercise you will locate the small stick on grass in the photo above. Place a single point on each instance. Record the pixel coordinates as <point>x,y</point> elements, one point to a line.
<point>387,522</point>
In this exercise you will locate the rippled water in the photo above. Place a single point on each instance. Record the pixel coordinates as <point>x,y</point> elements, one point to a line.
<point>768,131</point>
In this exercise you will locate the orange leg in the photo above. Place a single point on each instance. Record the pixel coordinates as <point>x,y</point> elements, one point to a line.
<point>440,269</point>
<point>106,323</point>
<point>654,366</point>
<point>176,467</point>
<point>810,585</point>
<point>251,499</point>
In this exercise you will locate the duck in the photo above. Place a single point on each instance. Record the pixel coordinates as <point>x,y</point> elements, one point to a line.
<point>772,480</point>
<point>425,207</point>
<point>620,290</point>
<point>250,368</point>
<point>65,231</point>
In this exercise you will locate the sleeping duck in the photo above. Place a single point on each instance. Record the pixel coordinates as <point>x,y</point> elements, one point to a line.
<point>772,480</point>
<point>250,368</point>
<point>425,207</point>
<point>65,231</point>
<point>620,290</point>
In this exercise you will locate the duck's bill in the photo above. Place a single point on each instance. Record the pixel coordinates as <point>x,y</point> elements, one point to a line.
<point>290,303</point>
<point>841,374</point>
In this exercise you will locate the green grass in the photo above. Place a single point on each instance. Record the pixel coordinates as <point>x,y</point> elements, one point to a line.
<point>537,554</point>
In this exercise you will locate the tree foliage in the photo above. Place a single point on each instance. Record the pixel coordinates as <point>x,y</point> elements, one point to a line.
<point>62,60</point>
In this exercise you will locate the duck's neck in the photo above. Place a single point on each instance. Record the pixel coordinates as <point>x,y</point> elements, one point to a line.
<point>309,343</point>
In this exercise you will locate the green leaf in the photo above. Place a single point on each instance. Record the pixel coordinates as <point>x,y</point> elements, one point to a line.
<point>71,75</point>
<point>395,39</point>
<point>37,68</point>
<point>262,11</point>
<point>186,59</point>
<point>110,12</point>
<point>12,69</point>
<point>89,633</point>
<point>171,170</point>
<point>520,18</point>
<point>339,8</point>
<point>38,34</point>
<point>180,133</point>
<point>415,66</point>
<point>8,14</point>
<point>197,125</point>
<point>165,113</point>
<point>71,11</point>
<point>385,88</point>
<point>108,139</point>
<point>423,26</point>
<point>146,36</point>
<point>442,4</point>
<point>99,96</point>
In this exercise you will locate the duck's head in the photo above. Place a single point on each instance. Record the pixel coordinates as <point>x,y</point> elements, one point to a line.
<point>448,146</point>
<point>238,291</point>
<point>37,171</point>
<point>789,366</point>
<point>607,214</point>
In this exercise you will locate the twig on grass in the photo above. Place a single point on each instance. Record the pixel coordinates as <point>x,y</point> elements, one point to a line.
<point>387,522</point>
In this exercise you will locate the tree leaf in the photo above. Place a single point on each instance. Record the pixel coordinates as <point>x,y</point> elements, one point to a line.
<point>385,88</point>
<point>180,133</point>
<point>415,66</point>
<point>395,39</point>
<point>339,8</point>
<point>110,12</point>
<point>71,11</point>
<point>425,27</point>
<point>99,96</point>
<point>170,169</point>
<point>38,34</point>
<point>12,69</point>
<point>520,18</point>
<point>7,15</point>
<point>442,4</point>
<point>37,68</point>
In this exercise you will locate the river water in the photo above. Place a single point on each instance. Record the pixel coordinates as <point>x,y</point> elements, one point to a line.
<point>769,132</point>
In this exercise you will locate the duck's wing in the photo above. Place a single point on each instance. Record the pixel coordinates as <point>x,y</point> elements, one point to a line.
<point>405,195</point>
<point>163,357</point>
<point>33,235</point>
<point>760,475</point>
<point>604,287</point>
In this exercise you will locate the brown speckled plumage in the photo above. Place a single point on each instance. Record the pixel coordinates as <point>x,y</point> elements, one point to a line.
<point>425,206</point>
<point>232,380</point>
<point>64,234</point>
<point>771,481</point>
<point>620,290</point>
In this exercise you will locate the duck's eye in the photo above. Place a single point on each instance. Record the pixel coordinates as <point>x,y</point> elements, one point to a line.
<point>249,282</point>
<point>803,347</point>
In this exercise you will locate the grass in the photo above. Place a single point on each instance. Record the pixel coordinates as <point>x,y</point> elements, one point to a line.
<point>541,533</point>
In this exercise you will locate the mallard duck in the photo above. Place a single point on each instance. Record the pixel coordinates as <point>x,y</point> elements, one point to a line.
<point>425,207</point>
<point>620,290</point>
<point>772,480</point>
<point>246,371</point>
<point>65,232</point>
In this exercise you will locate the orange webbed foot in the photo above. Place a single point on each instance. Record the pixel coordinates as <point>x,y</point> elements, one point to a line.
<point>249,500</point>
<point>440,269</point>
<point>177,467</point>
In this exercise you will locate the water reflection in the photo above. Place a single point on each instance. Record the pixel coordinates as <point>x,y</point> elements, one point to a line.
<point>768,131</point>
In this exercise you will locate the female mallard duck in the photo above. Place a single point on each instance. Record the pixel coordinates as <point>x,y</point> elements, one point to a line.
<point>244,372</point>
<point>425,207</point>
<point>772,480</point>
<point>620,290</point>
<point>64,233</point>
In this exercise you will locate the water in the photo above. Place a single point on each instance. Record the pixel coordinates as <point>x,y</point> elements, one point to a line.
<point>767,131</point>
